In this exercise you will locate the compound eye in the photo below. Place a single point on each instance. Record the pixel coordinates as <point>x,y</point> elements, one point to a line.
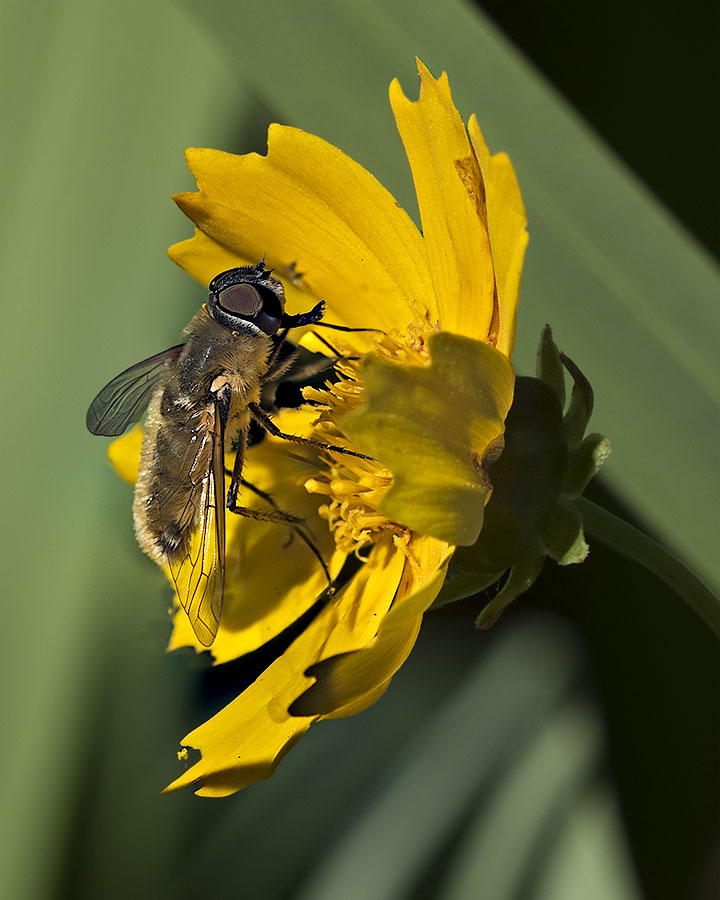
<point>268,323</point>
<point>242,300</point>
<point>269,318</point>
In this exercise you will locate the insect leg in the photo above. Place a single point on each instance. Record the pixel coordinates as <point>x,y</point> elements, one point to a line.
<point>268,424</point>
<point>346,327</point>
<point>236,475</point>
<point>256,490</point>
<point>338,356</point>
<point>273,515</point>
<point>309,318</point>
<point>303,535</point>
<point>314,316</point>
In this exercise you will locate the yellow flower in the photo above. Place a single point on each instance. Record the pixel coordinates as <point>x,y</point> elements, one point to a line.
<point>428,402</point>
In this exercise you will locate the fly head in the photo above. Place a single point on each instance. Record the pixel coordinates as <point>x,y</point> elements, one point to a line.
<point>247,294</point>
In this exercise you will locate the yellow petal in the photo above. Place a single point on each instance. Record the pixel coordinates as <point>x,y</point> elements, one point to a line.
<point>124,454</point>
<point>308,203</point>
<point>204,258</point>
<point>432,427</point>
<point>246,740</point>
<point>349,683</point>
<point>451,198</point>
<point>507,223</point>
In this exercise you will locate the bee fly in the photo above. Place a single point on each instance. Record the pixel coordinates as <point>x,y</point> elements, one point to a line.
<point>201,397</point>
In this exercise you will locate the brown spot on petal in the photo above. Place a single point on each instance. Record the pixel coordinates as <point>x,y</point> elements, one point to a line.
<point>469,173</point>
<point>494,329</point>
<point>471,178</point>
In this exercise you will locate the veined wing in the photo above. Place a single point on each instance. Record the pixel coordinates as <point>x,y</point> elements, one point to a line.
<point>124,399</point>
<point>198,573</point>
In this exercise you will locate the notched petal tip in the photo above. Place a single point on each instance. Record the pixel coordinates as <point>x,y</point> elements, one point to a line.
<point>203,258</point>
<point>182,198</point>
<point>246,740</point>
<point>422,69</point>
<point>451,199</point>
<point>428,80</point>
<point>307,202</point>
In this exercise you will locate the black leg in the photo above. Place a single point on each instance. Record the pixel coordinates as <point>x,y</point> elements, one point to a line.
<point>236,479</point>
<point>309,318</point>
<point>269,426</point>
<point>237,471</point>
<point>338,355</point>
<point>314,316</point>
<point>270,515</point>
<point>347,328</point>
<point>256,490</point>
<point>273,515</point>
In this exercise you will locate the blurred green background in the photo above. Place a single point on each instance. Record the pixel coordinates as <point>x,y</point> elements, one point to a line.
<point>573,751</point>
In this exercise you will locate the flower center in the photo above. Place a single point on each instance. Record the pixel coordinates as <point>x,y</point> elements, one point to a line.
<point>355,487</point>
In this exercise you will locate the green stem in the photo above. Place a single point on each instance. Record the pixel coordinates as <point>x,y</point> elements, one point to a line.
<point>628,541</point>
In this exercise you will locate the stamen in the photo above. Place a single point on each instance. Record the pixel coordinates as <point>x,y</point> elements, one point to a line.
<point>354,487</point>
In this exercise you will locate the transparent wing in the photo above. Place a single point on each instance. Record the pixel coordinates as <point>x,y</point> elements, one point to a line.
<point>124,399</point>
<point>199,574</point>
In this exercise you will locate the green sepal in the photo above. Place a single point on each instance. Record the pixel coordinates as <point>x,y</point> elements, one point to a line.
<point>549,367</point>
<point>545,466</point>
<point>521,576</point>
<point>581,404</point>
<point>526,479</point>
<point>561,531</point>
<point>585,462</point>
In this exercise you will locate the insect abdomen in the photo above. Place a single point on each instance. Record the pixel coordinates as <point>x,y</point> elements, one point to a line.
<point>177,447</point>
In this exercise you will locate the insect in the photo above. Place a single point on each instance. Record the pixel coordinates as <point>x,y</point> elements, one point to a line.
<point>201,397</point>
